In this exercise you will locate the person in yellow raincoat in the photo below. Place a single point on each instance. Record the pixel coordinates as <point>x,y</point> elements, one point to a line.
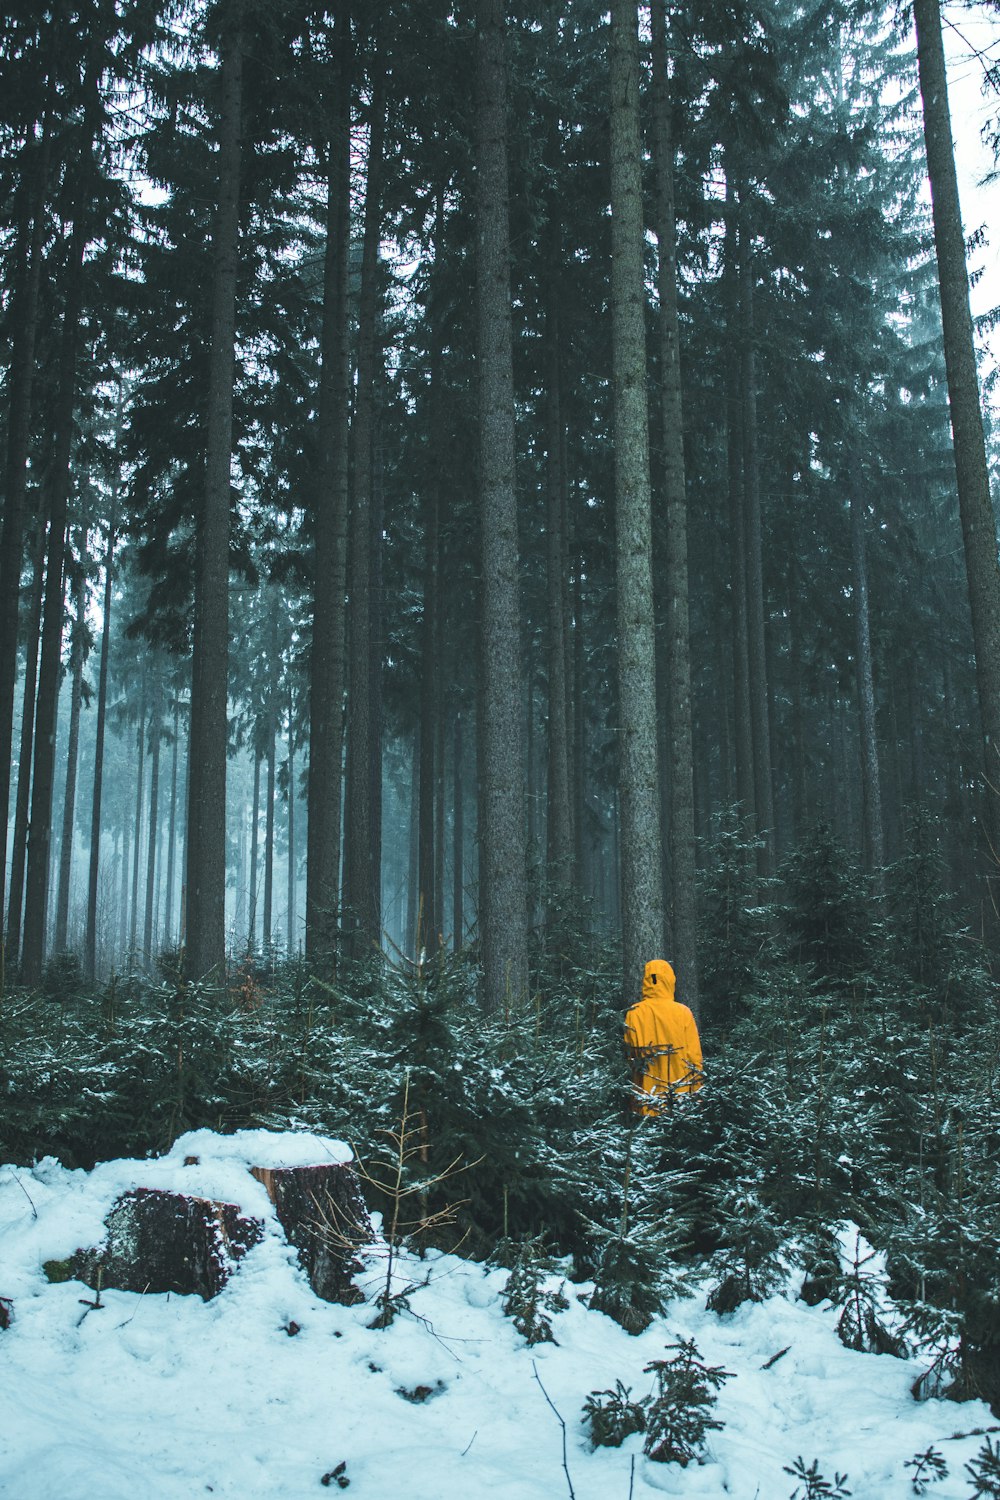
<point>661,1038</point>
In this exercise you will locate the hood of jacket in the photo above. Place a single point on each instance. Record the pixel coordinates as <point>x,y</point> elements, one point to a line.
<point>658,981</point>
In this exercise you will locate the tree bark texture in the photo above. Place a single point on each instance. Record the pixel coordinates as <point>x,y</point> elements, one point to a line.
<point>638,774</point>
<point>681,748</point>
<point>978,521</point>
<point>155,742</point>
<point>760,717</point>
<point>327,659</point>
<point>361,868</point>
<point>742,726</point>
<point>205,908</point>
<point>503,856</point>
<point>871,783</point>
<point>93,875</point>
<point>77,654</point>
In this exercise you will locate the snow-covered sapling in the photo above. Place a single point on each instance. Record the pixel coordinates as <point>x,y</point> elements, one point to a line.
<point>860,1327</point>
<point>613,1416</point>
<point>984,1471</point>
<point>678,1417</point>
<point>526,1299</point>
<point>928,1467</point>
<point>814,1486</point>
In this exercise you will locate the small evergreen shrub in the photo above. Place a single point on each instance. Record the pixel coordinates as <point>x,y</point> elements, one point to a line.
<point>813,1485</point>
<point>679,1415</point>
<point>984,1471</point>
<point>526,1299</point>
<point>612,1416</point>
<point>928,1467</point>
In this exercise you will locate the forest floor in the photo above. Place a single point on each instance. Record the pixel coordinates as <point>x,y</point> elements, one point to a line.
<point>170,1397</point>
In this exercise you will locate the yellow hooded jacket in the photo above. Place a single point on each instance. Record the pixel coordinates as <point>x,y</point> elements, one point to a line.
<point>662,1038</point>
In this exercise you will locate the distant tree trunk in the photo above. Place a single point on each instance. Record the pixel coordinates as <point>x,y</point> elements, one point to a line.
<point>327,659</point>
<point>412,916</point>
<point>168,912</point>
<point>975,506</point>
<point>430,677</point>
<point>90,938</point>
<point>155,728</point>
<point>458,839</point>
<point>19,852</point>
<point>559,852</point>
<point>254,853</point>
<point>503,857</point>
<point>123,904</point>
<point>742,727</point>
<point>681,754</point>
<point>269,817</point>
<point>140,778</point>
<point>759,706</point>
<point>871,784</point>
<point>205,911</point>
<point>361,873</point>
<point>291,918</point>
<point>77,655</point>
<point>638,773</point>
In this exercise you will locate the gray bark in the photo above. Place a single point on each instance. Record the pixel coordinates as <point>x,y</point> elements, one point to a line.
<point>638,771</point>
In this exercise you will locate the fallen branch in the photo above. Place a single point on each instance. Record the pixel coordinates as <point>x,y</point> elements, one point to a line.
<point>562,1424</point>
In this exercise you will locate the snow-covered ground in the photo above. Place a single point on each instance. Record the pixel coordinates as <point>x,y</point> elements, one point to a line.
<point>170,1397</point>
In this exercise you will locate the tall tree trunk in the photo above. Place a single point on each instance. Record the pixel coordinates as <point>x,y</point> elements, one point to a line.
<point>291,920</point>
<point>681,754</point>
<point>742,725</point>
<point>760,717</point>
<point>638,770</point>
<point>140,777</point>
<point>77,655</point>
<point>361,874</point>
<point>429,919</point>
<point>503,910</point>
<point>155,735</point>
<point>205,910</point>
<point>23,332</point>
<point>559,829</point>
<point>871,784</point>
<point>327,660</point>
<point>458,838</point>
<point>168,910</point>
<point>254,853</point>
<point>123,903</point>
<point>19,852</point>
<point>93,878</point>
<point>272,729</point>
<point>978,521</point>
<point>50,662</point>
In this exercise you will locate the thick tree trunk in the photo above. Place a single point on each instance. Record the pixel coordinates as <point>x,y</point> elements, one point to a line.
<point>978,521</point>
<point>428,853</point>
<point>361,870</point>
<point>93,878</point>
<point>503,857</point>
<point>327,659</point>
<point>205,910</point>
<point>23,332</point>
<point>871,784</point>
<point>681,750</point>
<point>638,775</point>
<point>269,794</point>
<point>559,828</point>
<point>77,654</point>
<point>19,852</point>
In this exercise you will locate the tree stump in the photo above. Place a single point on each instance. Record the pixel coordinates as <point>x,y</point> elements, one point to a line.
<point>324,1216</point>
<point>168,1242</point>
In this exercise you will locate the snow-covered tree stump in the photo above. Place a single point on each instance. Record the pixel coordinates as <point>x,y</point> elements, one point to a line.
<point>168,1242</point>
<point>324,1216</point>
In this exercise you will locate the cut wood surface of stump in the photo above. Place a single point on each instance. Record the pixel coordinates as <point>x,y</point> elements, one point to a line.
<point>323,1214</point>
<point>160,1241</point>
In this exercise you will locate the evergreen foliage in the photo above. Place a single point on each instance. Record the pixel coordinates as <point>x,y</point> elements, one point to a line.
<point>678,1418</point>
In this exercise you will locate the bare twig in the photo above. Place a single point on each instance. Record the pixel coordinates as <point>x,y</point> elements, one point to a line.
<point>24,1190</point>
<point>562,1424</point>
